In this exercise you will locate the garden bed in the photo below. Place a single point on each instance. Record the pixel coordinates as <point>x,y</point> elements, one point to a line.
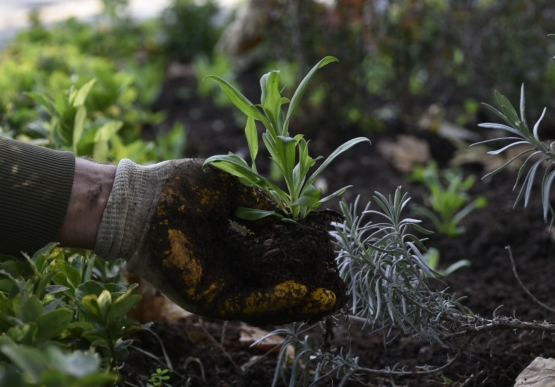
<point>489,284</point>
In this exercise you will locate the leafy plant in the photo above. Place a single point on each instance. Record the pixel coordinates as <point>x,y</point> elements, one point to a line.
<point>59,299</point>
<point>105,309</point>
<point>50,367</point>
<point>446,199</point>
<point>159,378</point>
<point>537,152</point>
<point>290,154</point>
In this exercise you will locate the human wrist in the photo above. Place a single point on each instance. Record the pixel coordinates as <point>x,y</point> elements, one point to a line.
<point>135,191</point>
<point>92,185</point>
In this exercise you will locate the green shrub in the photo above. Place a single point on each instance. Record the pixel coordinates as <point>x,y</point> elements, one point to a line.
<point>62,318</point>
<point>189,29</point>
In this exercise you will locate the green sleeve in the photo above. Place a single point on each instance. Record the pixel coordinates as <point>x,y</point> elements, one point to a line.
<point>35,187</point>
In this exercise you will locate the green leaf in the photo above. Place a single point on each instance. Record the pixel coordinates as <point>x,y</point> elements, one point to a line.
<point>252,213</point>
<point>104,302</point>
<point>271,97</point>
<point>85,293</point>
<point>23,334</point>
<point>44,281</point>
<point>101,138</point>
<point>337,193</point>
<point>30,360</point>
<point>53,289</point>
<point>240,101</point>
<point>52,324</point>
<point>252,139</point>
<point>342,148</point>
<point>66,125</point>
<point>45,102</point>
<point>122,305</point>
<point>30,310</point>
<point>79,126</point>
<point>310,197</point>
<point>89,306</point>
<point>77,328</point>
<point>82,93</point>
<point>66,275</point>
<point>78,364</point>
<point>238,167</point>
<point>295,101</point>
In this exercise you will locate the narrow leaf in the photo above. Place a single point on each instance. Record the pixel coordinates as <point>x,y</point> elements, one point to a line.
<point>240,101</point>
<point>252,213</point>
<point>78,126</point>
<point>45,102</point>
<point>342,148</point>
<point>83,92</point>
<point>252,140</point>
<point>295,101</point>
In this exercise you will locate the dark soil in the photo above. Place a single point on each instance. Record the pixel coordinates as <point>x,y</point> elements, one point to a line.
<point>216,265</point>
<point>489,284</point>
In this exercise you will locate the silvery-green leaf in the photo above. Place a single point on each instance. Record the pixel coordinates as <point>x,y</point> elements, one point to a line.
<point>537,125</point>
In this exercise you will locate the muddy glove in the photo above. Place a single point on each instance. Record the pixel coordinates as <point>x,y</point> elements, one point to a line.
<point>172,223</point>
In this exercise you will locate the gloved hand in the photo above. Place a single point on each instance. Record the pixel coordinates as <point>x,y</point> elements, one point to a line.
<point>172,223</point>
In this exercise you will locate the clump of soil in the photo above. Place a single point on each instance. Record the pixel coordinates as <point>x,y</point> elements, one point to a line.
<point>216,268</point>
<point>302,252</point>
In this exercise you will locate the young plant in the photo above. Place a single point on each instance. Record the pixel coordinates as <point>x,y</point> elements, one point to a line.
<point>290,154</point>
<point>432,258</point>
<point>159,378</point>
<point>446,201</point>
<point>537,152</point>
<point>105,309</point>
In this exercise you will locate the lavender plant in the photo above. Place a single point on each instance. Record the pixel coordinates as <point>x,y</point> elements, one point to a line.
<point>536,154</point>
<point>391,287</point>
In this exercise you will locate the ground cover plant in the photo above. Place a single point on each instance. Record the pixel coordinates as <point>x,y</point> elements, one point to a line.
<point>55,309</point>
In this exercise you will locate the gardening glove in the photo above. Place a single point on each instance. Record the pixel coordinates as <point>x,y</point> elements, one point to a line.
<point>172,222</point>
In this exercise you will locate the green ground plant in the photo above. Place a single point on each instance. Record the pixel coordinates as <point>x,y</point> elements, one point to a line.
<point>448,198</point>
<point>159,378</point>
<point>290,154</point>
<point>71,126</point>
<point>63,319</point>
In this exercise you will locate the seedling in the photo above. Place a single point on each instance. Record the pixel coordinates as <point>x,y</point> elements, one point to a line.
<point>432,258</point>
<point>159,378</point>
<point>447,201</point>
<point>290,154</point>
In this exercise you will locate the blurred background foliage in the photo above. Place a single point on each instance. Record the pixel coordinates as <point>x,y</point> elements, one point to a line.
<point>397,58</point>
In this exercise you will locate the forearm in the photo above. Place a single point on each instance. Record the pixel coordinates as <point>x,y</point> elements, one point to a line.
<point>35,188</point>
<point>92,185</point>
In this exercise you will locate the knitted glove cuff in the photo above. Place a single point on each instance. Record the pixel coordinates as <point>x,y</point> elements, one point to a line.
<point>131,203</point>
